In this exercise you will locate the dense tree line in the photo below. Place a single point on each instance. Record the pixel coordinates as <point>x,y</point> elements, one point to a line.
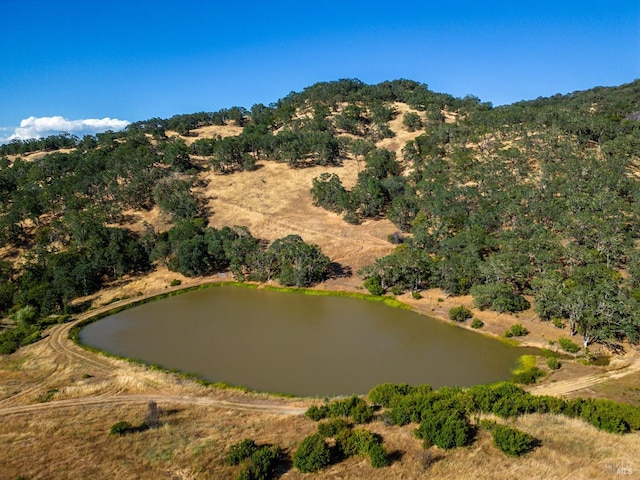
<point>48,144</point>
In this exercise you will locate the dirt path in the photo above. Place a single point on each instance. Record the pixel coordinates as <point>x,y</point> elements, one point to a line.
<point>145,398</point>
<point>566,387</point>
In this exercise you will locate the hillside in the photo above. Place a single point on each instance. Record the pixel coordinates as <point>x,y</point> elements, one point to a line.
<point>524,214</point>
<point>529,207</point>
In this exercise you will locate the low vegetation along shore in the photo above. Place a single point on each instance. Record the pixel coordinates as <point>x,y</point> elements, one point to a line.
<point>518,222</point>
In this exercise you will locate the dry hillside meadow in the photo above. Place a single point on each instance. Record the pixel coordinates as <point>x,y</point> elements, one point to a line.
<point>58,401</point>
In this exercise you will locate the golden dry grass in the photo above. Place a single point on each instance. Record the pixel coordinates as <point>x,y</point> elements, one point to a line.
<point>192,441</point>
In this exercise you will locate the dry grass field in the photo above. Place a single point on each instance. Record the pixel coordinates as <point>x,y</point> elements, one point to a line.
<point>58,402</point>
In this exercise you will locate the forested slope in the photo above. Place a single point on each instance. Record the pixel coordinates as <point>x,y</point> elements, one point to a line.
<point>535,199</point>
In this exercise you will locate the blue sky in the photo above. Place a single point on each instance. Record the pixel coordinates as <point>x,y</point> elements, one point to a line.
<point>90,60</point>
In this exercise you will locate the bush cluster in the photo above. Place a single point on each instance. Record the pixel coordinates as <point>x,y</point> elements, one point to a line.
<point>348,442</point>
<point>504,399</point>
<point>354,407</point>
<point>460,314</point>
<point>568,346</point>
<point>260,462</point>
<point>516,330</point>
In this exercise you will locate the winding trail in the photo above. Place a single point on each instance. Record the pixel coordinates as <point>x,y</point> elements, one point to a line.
<point>69,356</point>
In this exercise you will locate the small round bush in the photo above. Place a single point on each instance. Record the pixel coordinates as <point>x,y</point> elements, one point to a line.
<point>568,346</point>
<point>378,456</point>
<point>175,282</point>
<point>262,464</point>
<point>312,455</point>
<point>333,427</point>
<point>477,323</point>
<point>373,285</point>
<point>553,363</point>
<point>446,428</point>
<point>240,451</point>
<point>528,376</point>
<point>460,314</point>
<point>121,428</point>
<point>511,441</point>
<point>518,330</point>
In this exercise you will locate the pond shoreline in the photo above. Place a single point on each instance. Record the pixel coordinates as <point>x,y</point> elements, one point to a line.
<point>391,348</point>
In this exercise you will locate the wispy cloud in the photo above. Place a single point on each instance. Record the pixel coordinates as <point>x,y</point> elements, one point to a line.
<point>38,127</point>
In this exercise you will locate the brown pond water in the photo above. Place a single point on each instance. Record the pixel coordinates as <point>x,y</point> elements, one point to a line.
<point>300,344</point>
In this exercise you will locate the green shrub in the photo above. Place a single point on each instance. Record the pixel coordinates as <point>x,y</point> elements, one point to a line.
<point>408,408</point>
<point>262,464</point>
<point>362,413</point>
<point>354,407</point>
<point>605,414</point>
<point>527,377</point>
<point>553,363</point>
<point>374,285</point>
<point>477,323</point>
<point>480,398</point>
<point>364,443</point>
<point>412,121</point>
<point>447,428</point>
<point>333,427</point>
<point>499,297</point>
<point>351,217</point>
<point>383,393</point>
<point>518,330</point>
<point>357,442</point>
<point>557,322</point>
<point>460,314</point>
<point>509,400</point>
<point>416,295</point>
<point>175,282</point>
<point>378,456</point>
<point>397,290</point>
<point>313,454</point>
<point>568,346</point>
<point>121,428</point>
<point>238,452</point>
<point>316,413</point>
<point>26,316</point>
<point>548,404</point>
<point>511,441</point>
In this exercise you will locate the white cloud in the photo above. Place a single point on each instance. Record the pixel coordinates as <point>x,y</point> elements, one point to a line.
<point>38,127</point>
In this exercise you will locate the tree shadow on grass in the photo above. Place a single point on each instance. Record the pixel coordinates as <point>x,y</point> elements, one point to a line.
<point>336,270</point>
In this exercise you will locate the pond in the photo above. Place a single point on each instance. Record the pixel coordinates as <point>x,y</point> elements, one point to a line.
<point>300,344</point>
